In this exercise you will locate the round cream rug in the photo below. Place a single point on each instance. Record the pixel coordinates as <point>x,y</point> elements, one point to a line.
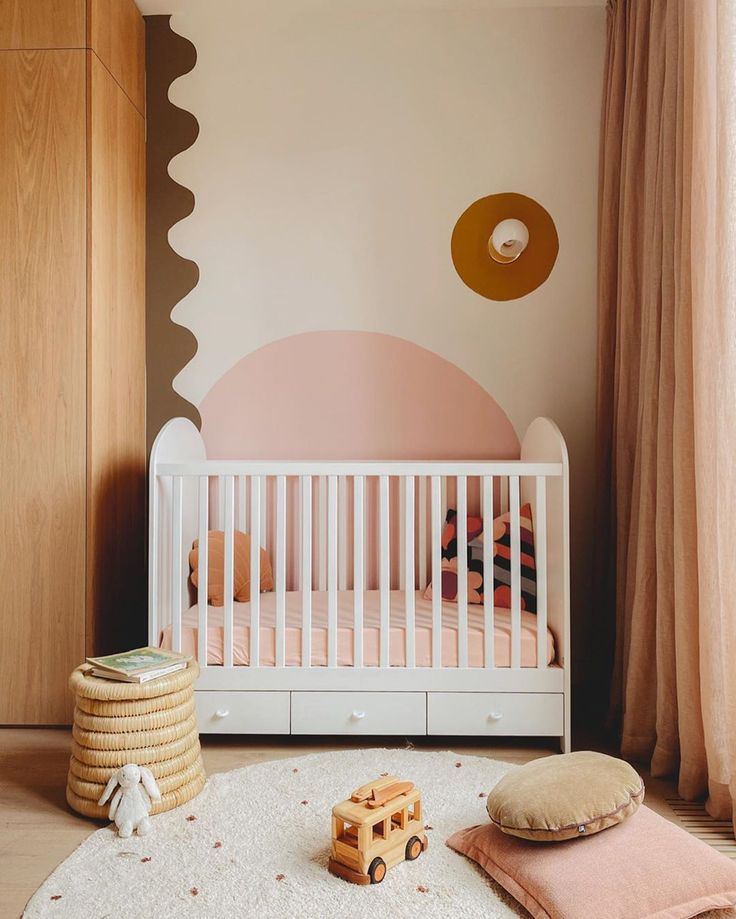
<point>255,843</point>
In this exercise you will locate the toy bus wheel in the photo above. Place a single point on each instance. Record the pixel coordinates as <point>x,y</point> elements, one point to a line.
<point>377,870</point>
<point>413,848</point>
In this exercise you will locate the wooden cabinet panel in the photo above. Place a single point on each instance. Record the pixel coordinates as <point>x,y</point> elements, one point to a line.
<point>42,380</point>
<point>116,33</point>
<point>115,366</point>
<point>32,24</point>
<point>113,29</point>
<point>72,365</point>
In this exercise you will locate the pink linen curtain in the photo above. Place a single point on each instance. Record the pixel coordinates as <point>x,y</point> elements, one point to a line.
<point>666,446</point>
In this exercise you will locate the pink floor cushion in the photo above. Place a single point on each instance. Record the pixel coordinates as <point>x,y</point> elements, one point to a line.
<point>644,868</point>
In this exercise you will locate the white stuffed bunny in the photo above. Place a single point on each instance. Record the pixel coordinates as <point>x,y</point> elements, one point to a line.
<point>131,803</point>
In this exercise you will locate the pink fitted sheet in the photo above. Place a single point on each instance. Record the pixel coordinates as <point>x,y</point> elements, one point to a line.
<point>371,635</point>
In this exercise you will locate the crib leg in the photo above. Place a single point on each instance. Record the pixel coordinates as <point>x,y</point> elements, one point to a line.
<point>566,738</point>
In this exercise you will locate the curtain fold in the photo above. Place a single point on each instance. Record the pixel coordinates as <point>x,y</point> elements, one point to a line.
<point>666,434</point>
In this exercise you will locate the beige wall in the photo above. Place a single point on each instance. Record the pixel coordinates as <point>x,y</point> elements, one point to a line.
<point>339,142</point>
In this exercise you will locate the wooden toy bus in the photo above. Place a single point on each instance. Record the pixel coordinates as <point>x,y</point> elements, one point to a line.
<point>378,826</point>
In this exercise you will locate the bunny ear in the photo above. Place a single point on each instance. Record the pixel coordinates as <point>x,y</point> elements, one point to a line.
<point>149,783</point>
<point>108,790</point>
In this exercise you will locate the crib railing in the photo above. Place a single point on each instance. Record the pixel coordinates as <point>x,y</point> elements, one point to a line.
<point>346,526</point>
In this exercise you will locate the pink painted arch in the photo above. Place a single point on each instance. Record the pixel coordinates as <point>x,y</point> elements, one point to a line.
<point>352,395</point>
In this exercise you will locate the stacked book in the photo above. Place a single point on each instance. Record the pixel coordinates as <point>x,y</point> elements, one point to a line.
<point>138,666</point>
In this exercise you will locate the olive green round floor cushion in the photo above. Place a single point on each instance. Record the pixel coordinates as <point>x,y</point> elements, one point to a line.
<point>565,797</point>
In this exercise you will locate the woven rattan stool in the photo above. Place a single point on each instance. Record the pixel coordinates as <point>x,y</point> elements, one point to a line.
<point>152,724</point>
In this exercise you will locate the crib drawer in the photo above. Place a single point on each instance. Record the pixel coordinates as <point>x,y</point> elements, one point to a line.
<point>496,713</point>
<point>242,712</point>
<point>358,713</point>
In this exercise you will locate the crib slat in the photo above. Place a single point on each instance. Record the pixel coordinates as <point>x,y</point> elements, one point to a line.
<point>281,571</point>
<point>358,572</point>
<point>242,515</point>
<point>332,571</point>
<point>342,507</point>
<point>436,572</point>
<point>489,625</point>
<point>402,531</point>
<point>515,571</point>
<point>462,570</point>
<point>204,497</point>
<point>255,569</point>
<point>540,541</point>
<point>322,532</point>
<point>220,485</point>
<point>384,570</point>
<point>422,532</point>
<point>176,562</point>
<point>306,579</point>
<point>229,568</point>
<point>264,512</point>
<point>409,585</point>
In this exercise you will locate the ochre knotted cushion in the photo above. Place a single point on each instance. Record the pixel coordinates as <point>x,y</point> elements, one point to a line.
<point>241,567</point>
<point>564,797</point>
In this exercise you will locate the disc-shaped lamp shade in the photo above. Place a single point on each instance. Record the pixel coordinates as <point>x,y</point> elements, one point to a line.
<point>504,246</point>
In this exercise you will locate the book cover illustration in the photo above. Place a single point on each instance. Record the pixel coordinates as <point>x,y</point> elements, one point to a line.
<point>138,660</point>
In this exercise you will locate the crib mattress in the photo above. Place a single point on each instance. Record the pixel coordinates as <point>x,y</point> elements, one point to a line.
<point>371,635</point>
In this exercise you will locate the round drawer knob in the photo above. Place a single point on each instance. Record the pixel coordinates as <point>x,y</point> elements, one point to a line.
<point>495,716</point>
<point>358,716</point>
<point>222,713</point>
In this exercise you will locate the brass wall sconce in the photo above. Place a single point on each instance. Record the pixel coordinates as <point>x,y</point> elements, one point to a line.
<point>504,246</point>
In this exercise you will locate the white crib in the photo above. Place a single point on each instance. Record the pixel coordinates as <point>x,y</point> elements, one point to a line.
<point>346,643</point>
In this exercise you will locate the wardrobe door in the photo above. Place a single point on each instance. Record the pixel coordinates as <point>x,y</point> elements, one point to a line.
<point>116,366</point>
<point>42,381</point>
<point>116,34</point>
<point>42,24</point>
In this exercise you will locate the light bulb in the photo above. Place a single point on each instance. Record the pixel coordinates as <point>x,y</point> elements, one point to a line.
<point>508,240</point>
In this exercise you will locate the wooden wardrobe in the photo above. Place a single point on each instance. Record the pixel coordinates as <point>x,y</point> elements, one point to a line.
<point>72,364</point>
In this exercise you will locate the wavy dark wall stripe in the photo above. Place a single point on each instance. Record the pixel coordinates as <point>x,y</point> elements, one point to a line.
<point>169,277</point>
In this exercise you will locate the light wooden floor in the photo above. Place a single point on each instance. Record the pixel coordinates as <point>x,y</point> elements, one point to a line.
<point>38,831</point>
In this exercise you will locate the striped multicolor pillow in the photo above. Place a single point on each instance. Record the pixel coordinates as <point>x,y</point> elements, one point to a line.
<point>449,560</point>
<point>501,560</point>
